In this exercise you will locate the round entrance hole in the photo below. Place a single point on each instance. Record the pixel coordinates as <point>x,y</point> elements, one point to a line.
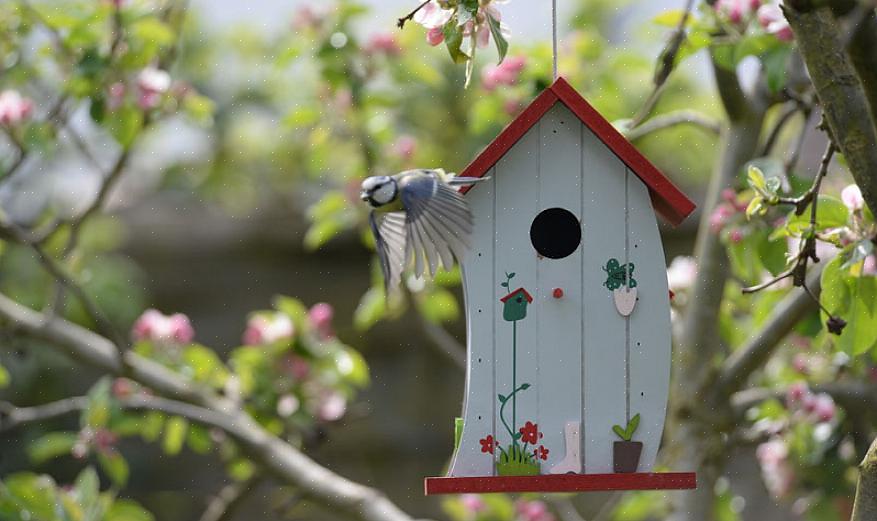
<point>555,233</point>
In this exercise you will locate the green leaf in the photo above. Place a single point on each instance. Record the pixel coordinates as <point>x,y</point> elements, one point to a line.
<point>127,510</point>
<point>4,377</point>
<point>88,489</point>
<point>504,284</point>
<point>671,18</point>
<point>174,435</point>
<point>153,422</point>
<point>860,335</point>
<point>830,213</point>
<point>152,30</point>
<point>31,493</point>
<point>502,399</point>
<point>621,433</point>
<point>97,412</point>
<point>371,309</point>
<point>199,108</point>
<point>755,45</point>
<point>633,426</point>
<point>756,178</point>
<point>502,46</point>
<point>352,367</point>
<point>240,469</point>
<point>775,63</point>
<point>124,124</point>
<point>524,387</point>
<point>511,275</point>
<point>205,365</point>
<point>114,464</point>
<point>51,445</point>
<point>454,42</point>
<point>755,207</point>
<point>198,439</point>
<point>835,295</point>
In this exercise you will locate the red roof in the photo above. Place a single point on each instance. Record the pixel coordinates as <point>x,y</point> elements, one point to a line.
<point>668,200</point>
<point>515,292</point>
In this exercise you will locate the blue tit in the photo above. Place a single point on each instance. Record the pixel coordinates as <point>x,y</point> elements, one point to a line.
<point>418,217</point>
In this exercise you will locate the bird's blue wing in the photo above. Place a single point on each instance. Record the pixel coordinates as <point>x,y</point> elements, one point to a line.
<point>389,230</point>
<point>438,225</point>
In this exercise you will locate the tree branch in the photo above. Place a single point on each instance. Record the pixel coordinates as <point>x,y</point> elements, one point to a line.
<point>865,506</point>
<point>788,312</point>
<point>224,504</point>
<point>672,119</point>
<point>272,453</point>
<point>444,341</point>
<point>855,397</point>
<point>863,54</point>
<point>840,92</point>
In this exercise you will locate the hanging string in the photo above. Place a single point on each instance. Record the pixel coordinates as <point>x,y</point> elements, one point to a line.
<point>554,34</point>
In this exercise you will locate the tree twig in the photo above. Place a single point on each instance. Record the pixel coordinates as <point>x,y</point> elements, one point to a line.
<point>410,16</point>
<point>672,119</point>
<point>788,312</point>
<point>666,64</point>
<point>222,506</point>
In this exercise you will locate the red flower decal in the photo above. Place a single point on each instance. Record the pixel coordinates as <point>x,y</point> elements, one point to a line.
<point>541,453</point>
<point>530,433</point>
<point>487,444</point>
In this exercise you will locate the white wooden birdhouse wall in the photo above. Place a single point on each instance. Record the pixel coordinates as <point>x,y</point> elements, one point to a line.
<point>565,241</point>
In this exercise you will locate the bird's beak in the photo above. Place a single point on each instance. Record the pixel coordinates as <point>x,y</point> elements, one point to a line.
<point>364,195</point>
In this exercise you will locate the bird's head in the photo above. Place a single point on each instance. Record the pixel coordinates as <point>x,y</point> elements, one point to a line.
<point>379,190</point>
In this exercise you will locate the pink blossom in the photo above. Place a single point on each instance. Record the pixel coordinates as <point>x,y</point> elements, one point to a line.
<point>115,95</point>
<point>801,363</point>
<point>869,266</point>
<point>533,511</point>
<point>383,43</point>
<point>405,147</point>
<point>122,387</point>
<point>775,468</point>
<point>332,407</point>
<point>14,108</point>
<point>735,11</point>
<point>773,21</point>
<point>736,235</point>
<point>852,197</point>
<point>796,394</point>
<point>306,17</point>
<point>506,73</point>
<point>512,107</point>
<point>153,83</point>
<point>164,329</point>
<point>720,217</point>
<point>297,367</point>
<point>320,316</point>
<point>435,36</point>
<point>681,273</point>
<point>268,328</point>
<point>824,408</point>
<point>432,16</point>
<point>472,503</point>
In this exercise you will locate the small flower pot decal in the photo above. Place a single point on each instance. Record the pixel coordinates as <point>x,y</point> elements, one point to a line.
<point>626,453</point>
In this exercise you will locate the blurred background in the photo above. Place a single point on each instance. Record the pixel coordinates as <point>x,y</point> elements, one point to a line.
<point>248,191</point>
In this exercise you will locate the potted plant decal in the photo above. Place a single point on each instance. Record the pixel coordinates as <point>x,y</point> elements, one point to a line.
<point>626,453</point>
<point>522,455</point>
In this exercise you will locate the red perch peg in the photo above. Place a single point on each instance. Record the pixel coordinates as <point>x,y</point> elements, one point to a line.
<point>558,293</point>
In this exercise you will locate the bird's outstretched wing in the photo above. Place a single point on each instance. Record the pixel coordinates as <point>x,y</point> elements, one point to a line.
<point>390,234</point>
<point>438,226</point>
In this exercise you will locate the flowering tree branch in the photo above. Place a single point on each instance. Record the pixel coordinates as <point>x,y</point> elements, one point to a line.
<point>202,406</point>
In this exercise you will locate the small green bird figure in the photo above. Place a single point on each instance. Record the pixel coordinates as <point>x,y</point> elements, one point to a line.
<point>418,217</point>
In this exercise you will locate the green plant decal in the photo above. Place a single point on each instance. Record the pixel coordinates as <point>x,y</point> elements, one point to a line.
<point>617,275</point>
<point>626,434</point>
<point>521,456</point>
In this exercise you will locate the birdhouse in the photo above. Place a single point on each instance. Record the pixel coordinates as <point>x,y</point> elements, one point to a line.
<point>514,305</point>
<point>567,375</point>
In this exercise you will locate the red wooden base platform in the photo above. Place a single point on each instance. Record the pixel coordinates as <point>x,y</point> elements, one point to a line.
<point>562,483</point>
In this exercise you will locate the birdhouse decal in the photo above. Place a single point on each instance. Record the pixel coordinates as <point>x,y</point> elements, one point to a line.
<point>568,365</point>
<point>515,305</point>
